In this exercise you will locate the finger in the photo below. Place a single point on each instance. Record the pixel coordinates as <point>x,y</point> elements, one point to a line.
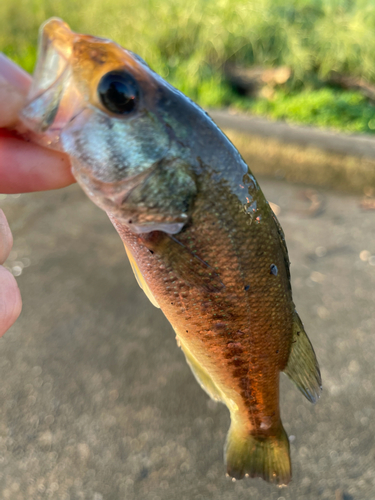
<point>10,300</point>
<point>26,167</point>
<point>6,238</point>
<point>14,86</point>
<point>15,75</point>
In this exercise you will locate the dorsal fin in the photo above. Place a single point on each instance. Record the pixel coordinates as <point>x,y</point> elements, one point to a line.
<point>284,248</point>
<point>140,279</point>
<point>302,367</point>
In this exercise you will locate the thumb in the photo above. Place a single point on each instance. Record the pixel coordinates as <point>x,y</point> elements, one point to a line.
<point>14,86</point>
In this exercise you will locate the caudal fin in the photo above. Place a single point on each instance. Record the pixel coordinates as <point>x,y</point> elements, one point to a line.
<point>258,456</point>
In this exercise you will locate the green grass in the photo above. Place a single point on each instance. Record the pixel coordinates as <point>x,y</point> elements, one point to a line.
<point>188,43</point>
<point>329,108</point>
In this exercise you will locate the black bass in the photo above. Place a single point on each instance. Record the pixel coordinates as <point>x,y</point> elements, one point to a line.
<point>203,242</point>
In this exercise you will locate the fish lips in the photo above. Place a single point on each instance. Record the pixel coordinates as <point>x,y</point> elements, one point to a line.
<point>53,99</point>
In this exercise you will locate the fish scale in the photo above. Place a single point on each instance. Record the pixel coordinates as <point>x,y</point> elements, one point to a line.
<point>202,240</point>
<point>245,256</point>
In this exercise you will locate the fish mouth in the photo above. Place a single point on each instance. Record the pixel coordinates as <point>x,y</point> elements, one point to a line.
<point>53,99</point>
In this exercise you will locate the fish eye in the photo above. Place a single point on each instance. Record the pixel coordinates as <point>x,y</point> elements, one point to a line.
<point>118,92</point>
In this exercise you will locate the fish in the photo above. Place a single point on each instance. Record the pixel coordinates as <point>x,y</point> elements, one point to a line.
<point>203,242</point>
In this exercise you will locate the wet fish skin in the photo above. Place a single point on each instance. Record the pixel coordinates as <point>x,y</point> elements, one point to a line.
<point>202,239</point>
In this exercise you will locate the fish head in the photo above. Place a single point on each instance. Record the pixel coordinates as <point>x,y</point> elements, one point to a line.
<point>104,107</point>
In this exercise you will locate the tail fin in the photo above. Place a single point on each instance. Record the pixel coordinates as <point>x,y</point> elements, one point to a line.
<point>258,456</point>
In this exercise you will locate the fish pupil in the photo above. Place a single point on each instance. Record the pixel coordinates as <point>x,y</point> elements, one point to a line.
<point>118,92</point>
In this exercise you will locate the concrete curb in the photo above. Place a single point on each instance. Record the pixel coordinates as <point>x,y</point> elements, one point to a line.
<point>334,142</point>
<point>301,154</point>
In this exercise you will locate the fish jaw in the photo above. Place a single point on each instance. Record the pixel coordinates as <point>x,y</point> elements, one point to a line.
<point>66,77</point>
<point>52,99</point>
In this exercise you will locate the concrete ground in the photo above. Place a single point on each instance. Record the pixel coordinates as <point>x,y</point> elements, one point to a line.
<point>310,155</point>
<point>97,402</point>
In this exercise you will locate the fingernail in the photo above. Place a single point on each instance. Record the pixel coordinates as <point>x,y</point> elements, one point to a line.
<point>14,74</point>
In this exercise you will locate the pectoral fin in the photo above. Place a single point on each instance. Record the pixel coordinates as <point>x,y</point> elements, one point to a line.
<point>184,262</point>
<point>194,270</point>
<point>302,367</point>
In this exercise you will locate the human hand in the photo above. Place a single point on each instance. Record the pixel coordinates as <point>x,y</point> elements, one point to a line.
<point>24,167</point>
<point>10,297</point>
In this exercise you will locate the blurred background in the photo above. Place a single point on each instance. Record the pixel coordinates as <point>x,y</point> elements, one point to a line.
<point>307,61</point>
<point>96,399</point>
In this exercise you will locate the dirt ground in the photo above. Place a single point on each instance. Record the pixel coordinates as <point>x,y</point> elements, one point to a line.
<point>96,399</point>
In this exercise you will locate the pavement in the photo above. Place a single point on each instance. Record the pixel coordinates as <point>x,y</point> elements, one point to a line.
<point>96,399</point>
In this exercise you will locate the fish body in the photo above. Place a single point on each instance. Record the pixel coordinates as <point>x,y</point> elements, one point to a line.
<point>202,239</point>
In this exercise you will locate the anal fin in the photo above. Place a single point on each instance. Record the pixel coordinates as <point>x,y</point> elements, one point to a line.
<point>201,375</point>
<point>303,367</point>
